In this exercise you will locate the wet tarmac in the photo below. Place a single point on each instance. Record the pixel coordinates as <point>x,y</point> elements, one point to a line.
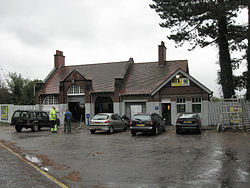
<point>101,160</point>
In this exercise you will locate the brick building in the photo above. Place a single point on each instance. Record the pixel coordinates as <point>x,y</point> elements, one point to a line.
<point>123,87</point>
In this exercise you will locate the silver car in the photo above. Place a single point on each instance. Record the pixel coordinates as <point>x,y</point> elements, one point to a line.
<point>109,122</point>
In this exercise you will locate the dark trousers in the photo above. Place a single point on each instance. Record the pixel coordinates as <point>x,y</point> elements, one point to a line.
<point>68,125</point>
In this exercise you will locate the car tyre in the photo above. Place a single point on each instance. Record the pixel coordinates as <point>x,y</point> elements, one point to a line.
<point>199,130</point>
<point>133,133</point>
<point>111,130</point>
<point>125,127</point>
<point>92,131</point>
<point>35,127</point>
<point>164,128</point>
<point>18,129</point>
<point>177,131</point>
<point>156,130</point>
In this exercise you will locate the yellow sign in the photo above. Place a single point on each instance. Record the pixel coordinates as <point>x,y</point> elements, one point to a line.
<point>4,112</point>
<point>177,82</point>
<point>235,114</point>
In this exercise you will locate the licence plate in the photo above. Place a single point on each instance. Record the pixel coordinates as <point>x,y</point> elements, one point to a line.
<point>19,120</point>
<point>188,122</point>
<point>97,123</point>
<point>140,125</point>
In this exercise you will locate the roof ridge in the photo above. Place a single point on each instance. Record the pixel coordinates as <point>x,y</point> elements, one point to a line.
<point>93,64</point>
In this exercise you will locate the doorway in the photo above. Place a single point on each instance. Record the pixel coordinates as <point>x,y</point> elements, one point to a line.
<point>166,112</point>
<point>78,111</point>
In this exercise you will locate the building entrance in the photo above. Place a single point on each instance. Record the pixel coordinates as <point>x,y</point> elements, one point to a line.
<point>166,112</point>
<point>78,111</point>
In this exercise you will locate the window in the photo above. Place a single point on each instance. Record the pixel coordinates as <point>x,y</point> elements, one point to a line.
<point>181,105</point>
<point>50,100</point>
<point>32,115</point>
<point>44,115</point>
<point>75,90</point>
<point>196,104</point>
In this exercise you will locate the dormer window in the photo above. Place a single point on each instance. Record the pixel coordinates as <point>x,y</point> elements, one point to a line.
<point>75,90</point>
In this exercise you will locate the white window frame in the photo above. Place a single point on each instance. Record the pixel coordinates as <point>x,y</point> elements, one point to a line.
<point>196,100</point>
<point>50,100</point>
<point>180,101</point>
<point>75,90</point>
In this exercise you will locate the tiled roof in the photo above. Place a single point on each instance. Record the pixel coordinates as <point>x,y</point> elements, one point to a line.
<point>102,75</point>
<point>144,78</point>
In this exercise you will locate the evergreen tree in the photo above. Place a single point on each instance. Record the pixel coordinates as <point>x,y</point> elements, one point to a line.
<point>203,23</point>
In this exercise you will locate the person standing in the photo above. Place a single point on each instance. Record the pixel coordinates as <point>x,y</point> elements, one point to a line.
<point>67,117</point>
<point>52,119</point>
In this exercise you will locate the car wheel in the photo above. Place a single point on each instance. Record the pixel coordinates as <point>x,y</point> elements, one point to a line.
<point>177,131</point>
<point>18,129</point>
<point>133,133</point>
<point>125,127</point>
<point>35,127</point>
<point>156,131</point>
<point>199,130</point>
<point>164,128</point>
<point>92,131</point>
<point>111,130</point>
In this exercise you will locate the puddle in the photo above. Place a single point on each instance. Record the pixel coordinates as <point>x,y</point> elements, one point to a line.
<point>243,175</point>
<point>37,161</point>
<point>33,159</point>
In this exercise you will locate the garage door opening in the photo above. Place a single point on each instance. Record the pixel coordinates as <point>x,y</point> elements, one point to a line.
<point>103,105</point>
<point>78,111</point>
<point>76,103</point>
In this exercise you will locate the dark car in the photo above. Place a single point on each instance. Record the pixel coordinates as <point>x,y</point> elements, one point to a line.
<point>30,119</point>
<point>147,123</point>
<point>188,121</point>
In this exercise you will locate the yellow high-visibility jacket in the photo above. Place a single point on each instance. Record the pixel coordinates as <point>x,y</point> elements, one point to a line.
<point>52,115</point>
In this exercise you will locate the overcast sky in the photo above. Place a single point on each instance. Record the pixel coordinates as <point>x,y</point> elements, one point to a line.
<point>90,31</point>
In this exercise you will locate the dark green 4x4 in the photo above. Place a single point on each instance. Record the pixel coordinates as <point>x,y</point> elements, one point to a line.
<point>30,119</point>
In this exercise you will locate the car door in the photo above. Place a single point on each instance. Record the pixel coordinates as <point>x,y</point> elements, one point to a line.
<point>39,119</point>
<point>45,117</point>
<point>120,122</point>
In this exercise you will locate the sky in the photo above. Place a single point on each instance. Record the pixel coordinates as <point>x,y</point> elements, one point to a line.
<point>91,31</point>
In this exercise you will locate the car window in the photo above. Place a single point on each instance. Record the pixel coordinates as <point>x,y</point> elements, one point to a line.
<point>117,117</point>
<point>32,115</point>
<point>24,114</point>
<point>100,117</point>
<point>44,114</point>
<point>17,114</point>
<point>142,117</point>
<point>182,116</point>
<point>38,114</point>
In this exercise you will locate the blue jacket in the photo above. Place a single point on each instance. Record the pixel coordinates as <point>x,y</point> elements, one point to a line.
<point>68,115</point>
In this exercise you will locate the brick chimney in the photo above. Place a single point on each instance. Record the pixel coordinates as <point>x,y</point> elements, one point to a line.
<point>161,53</point>
<point>59,59</point>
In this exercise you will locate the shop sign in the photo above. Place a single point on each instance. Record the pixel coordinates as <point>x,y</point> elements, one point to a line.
<point>4,112</point>
<point>177,82</point>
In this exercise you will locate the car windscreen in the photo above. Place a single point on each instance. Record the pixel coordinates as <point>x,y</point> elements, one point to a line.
<point>141,118</point>
<point>17,114</point>
<point>100,117</point>
<point>187,116</point>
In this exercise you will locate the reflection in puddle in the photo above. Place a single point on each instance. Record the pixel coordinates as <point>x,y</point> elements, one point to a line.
<point>37,161</point>
<point>32,159</point>
<point>243,175</point>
